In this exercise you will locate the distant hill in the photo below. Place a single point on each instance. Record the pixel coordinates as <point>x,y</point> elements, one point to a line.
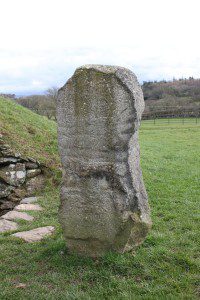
<point>172,98</point>
<point>10,96</point>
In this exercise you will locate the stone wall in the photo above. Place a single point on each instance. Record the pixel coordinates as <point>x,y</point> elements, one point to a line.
<point>19,177</point>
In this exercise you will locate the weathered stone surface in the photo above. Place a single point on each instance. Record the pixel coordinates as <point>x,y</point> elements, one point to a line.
<point>103,199</point>
<point>7,151</point>
<point>28,207</point>
<point>5,189</point>
<point>35,235</point>
<point>13,174</point>
<point>29,200</point>
<point>6,160</point>
<point>14,215</point>
<point>31,165</point>
<point>33,173</point>
<point>6,225</point>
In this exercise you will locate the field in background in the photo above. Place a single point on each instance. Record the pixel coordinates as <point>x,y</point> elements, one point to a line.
<point>166,266</point>
<point>175,98</point>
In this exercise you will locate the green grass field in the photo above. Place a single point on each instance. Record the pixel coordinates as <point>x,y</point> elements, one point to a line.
<point>165,266</point>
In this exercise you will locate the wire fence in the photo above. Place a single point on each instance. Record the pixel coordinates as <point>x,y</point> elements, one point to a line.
<point>168,121</point>
<point>171,115</point>
<point>156,115</point>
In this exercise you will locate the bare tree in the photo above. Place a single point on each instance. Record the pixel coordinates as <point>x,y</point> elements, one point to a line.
<point>52,94</point>
<point>42,104</point>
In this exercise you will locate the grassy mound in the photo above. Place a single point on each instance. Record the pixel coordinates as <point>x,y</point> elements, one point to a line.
<point>29,133</point>
<point>166,265</point>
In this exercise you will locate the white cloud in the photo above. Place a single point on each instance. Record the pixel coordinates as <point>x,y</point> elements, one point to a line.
<point>44,41</point>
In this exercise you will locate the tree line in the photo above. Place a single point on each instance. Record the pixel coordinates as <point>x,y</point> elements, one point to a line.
<point>162,98</point>
<point>44,105</point>
<point>154,90</point>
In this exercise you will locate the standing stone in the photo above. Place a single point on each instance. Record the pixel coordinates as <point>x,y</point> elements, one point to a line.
<point>104,203</point>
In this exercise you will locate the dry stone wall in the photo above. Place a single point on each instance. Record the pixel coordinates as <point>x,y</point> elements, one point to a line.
<point>19,177</point>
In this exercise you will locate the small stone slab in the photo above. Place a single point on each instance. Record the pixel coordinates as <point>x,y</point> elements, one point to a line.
<point>35,235</point>
<point>8,160</point>
<point>32,165</point>
<point>13,215</point>
<point>33,173</point>
<point>6,225</point>
<point>27,207</point>
<point>28,200</point>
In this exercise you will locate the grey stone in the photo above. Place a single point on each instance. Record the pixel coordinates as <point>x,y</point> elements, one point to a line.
<point>5,190</point>
<point>32,160</point>
<point>5,160</point>
<point>104,203</point>
<point>13,174</point>
<point>29,200</point>
<point>28,207</point>
<point>35,235</point>
<point>14,215</point>
<point>7,151</point>
<point>33,173</point>
<point>31,165</point>
<point>6,225</point>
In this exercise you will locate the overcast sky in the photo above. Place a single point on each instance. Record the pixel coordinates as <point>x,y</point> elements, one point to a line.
<point>43,41</point>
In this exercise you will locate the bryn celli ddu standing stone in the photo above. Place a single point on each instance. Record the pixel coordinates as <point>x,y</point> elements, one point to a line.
<point>104,204</point>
